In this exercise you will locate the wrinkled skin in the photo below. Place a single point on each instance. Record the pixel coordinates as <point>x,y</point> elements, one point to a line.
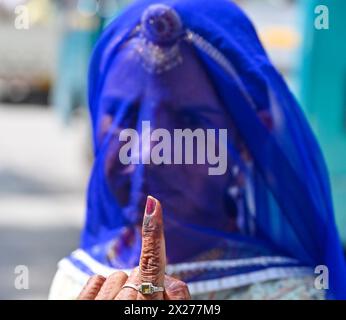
<point>151,268</point>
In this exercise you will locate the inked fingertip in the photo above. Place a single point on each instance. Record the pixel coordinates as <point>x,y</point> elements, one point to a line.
<point>150,206</point>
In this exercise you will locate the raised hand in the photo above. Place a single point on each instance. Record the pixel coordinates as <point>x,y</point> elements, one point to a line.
<point>149,276</point>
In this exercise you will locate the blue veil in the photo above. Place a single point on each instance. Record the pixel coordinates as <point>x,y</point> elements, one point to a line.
<point>284,223</point>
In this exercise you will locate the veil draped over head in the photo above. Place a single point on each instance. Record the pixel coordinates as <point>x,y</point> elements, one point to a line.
<point>178,64</point>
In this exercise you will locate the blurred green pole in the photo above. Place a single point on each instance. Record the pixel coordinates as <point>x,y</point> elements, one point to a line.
<point>118,6</point>
<point>323,92</point>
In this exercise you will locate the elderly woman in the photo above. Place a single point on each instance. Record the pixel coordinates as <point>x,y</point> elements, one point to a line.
<point>187,107</point>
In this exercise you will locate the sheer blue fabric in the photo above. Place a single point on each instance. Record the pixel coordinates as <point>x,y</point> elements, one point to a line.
<point>273,200</point>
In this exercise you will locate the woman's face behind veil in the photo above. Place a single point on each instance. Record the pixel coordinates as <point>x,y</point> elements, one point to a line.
<point>181,98</point>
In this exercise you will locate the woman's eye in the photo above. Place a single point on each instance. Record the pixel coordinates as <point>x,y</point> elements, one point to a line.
<point>194,120</point>
<point>188,119</point>
<point>130,118</point>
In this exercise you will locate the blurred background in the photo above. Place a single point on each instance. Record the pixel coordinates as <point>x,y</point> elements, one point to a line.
<point>45,146</point>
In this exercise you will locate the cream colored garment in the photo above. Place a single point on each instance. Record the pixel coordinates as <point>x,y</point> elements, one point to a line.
<point>65,287</point>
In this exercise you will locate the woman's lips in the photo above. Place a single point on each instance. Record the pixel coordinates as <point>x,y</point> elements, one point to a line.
<point>133,198</point>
